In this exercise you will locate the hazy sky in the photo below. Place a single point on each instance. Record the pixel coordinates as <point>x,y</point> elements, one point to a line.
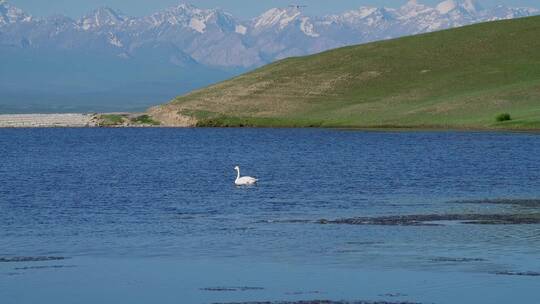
<point>243,9</point>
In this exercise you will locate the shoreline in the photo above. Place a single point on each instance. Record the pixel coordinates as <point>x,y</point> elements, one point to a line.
<point>70,120</point>
<point>95,120</point>
<point>59,120</point>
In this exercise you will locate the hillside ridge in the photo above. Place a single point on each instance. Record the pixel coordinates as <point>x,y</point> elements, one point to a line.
<point>457,78</point>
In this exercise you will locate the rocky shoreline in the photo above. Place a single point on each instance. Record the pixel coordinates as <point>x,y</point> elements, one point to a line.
<point>76,120</point>
<point>47,120</point>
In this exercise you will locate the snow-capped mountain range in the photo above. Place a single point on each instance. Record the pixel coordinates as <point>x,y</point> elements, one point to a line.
<point>108,61</point>
<point>185,34</point>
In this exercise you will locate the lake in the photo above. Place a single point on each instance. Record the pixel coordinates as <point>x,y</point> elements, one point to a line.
<point>153,216</point>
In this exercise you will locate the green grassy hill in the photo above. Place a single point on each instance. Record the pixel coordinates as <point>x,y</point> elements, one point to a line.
<point>458,78</point>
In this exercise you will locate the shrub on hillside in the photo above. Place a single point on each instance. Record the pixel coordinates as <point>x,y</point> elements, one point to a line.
<point>503,117</point>
<point>145,120</point>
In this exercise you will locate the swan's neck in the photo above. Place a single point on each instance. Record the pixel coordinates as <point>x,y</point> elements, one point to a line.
<point>237,174</point>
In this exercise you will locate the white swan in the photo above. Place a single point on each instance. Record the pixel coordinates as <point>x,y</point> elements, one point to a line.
<point>244,180</point>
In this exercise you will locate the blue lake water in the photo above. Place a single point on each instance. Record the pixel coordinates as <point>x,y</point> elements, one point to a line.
<point>153,216</point>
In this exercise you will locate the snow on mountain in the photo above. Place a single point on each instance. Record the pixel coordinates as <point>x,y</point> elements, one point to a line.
<point>115,40</point>
<point>240,29</point>
<point>281,19</point>
<point>182,15</point>
<point>102,17</point>
<point>187,16</point>
<point>308,28</point>
<point>413,9</point>
<point>276,16</point>
<point>212,37</point>
<point>10,14</point>
<point>446,6</point>
<point>468,6</point>
<point>471,6</point>
<point>503,12</point>
<point>369,16</point>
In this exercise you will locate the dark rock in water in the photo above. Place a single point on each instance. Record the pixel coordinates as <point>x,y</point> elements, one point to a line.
<point>29,259</point>
<point>426,220</point>
<point>518,202</point>
<point>456,260</point>
<point>393,295</point>
<point>349,251</point>
<point>298,293</point>
<point>242,288</point>
<point>366,243</point>
<point>438,219</point>
<point>45,267</point>
<point>514,273</point>
<point>322,302</point>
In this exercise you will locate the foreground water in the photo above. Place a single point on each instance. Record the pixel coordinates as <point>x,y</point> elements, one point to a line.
<point>153,216</point>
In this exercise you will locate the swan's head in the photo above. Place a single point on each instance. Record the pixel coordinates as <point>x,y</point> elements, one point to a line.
<point>236,168</point>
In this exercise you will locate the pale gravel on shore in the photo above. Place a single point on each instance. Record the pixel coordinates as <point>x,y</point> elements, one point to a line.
<point>46,120</point>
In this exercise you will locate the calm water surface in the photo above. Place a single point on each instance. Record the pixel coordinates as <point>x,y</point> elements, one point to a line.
<point>153,216</point>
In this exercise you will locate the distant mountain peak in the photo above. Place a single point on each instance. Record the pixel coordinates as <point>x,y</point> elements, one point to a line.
<point>362,12</point>
<point>412,9</point>
<point>102,16</point>
<point>472,5</point>
<point>277,16</point>
<point>198,20</point>
<point>469,6</point>
<point>185,8</point>
<point>12,14</point>
<point>412,4</point>
<point>214,37</point>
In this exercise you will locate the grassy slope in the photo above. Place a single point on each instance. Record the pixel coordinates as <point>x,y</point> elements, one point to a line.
<point>459,78</point>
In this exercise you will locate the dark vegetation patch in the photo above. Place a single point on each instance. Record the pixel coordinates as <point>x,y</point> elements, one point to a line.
<point>126,119</point>
<point>241,288</point>
<point>223,121</point>
<point>30,259</point>
<point>503,117</point>
<point>109,120</point>
<point>517,273</point>
<point>144,120</point>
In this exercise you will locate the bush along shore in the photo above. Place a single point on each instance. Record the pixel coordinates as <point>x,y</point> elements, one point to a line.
<point>125,120</point>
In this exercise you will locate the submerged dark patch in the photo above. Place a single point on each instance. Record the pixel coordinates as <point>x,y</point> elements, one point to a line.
<point>365,243</point>
<point>516,273</point>
<point>456,260</point>
<point>298,293</point>
<point>321,302</point>
<point>438,219</point>
<point>241,288</point>
<point>517,202</point>
<point>393,295</point>
<point>30,259</point>
<point>45,267</point>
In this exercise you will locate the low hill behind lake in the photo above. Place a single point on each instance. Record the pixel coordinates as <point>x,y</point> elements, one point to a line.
<point>459,78</point>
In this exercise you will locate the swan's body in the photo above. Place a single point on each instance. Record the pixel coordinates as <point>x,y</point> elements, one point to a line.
<point>244,180</point>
